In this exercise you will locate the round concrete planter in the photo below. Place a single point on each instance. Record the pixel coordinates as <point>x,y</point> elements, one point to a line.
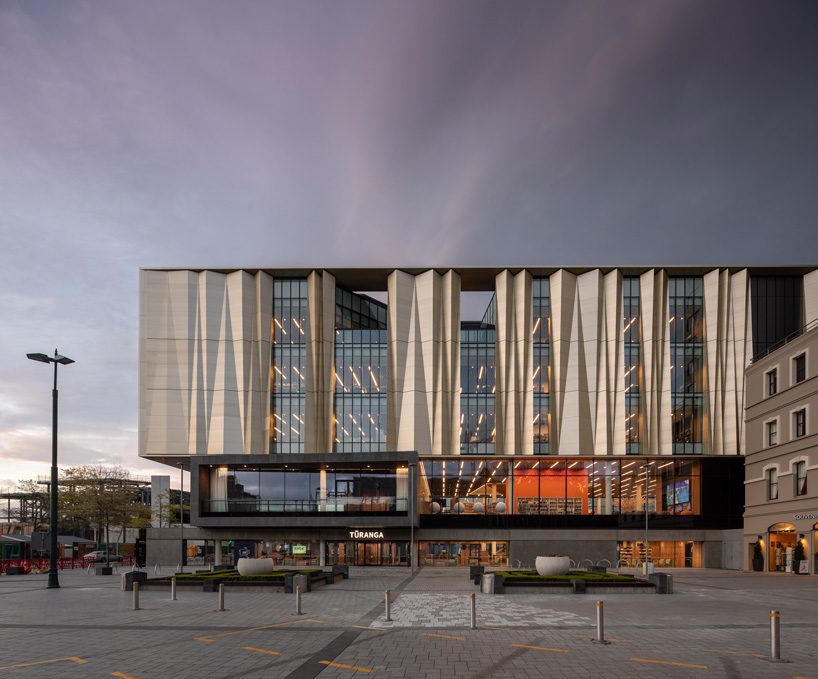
<point>254,566</point>
<point>552,565</point>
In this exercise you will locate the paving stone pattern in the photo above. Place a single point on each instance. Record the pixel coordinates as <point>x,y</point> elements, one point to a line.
<point>715,625</point>
<point>433,609</point>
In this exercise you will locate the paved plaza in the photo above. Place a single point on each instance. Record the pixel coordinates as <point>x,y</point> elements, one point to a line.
<point>716,624</point>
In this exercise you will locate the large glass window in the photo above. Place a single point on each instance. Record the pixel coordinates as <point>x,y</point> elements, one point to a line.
<point>686,329</point>
<point>631,311</point>
<point>360,373</point>
<point>375,488</point>
<point>289,365</point>
<point>477,399</point>
<point>541,339</point>
<point>778,310</point>
<point>545,486</point>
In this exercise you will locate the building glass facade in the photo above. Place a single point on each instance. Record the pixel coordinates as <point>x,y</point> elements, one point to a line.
<point>632,329</point>
<point>778,310</point>
<point>289,365</point>
<point>477,397</point>
<point>541,341</point>
<point>687,336</point>
<point>360,374</point>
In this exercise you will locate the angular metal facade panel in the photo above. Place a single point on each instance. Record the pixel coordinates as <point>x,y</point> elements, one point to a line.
<point>515,358</point>
<point>318,405</point>
<point>204,368</point>
<point>423,393</point>
<point>729,345</point>
<point>587,363</point>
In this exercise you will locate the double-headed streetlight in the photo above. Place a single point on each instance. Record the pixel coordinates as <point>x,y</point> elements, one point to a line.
<point>53,580</point>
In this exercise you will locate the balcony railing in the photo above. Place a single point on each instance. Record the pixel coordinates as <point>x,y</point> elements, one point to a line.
<point>334,505</point>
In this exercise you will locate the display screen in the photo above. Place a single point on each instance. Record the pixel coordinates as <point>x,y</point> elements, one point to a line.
<point>682,491</point>
<point>299,549</point>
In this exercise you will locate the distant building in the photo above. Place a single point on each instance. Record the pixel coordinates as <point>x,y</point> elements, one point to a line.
<point>324,425</point>
<point>781,484</point>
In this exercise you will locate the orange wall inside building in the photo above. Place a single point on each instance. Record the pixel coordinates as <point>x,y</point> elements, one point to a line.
<point>551,483</point>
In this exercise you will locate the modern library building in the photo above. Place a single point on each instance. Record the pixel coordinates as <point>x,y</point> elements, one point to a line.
<point>351,416</point>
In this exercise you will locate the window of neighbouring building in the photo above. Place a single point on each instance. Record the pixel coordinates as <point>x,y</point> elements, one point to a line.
<point>799,364</point>
<point>800,474</point>
<point>799,422</point>
<point>772,433</point>
<point>772,484</point>
<point>772,382</point>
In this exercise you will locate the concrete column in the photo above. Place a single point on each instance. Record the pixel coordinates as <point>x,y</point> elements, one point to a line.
<point>217,556</point>
<point>322,556</point>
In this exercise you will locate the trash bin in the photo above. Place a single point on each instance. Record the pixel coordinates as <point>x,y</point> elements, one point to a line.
<point>647,568</point>
<point>663,582</point>
<point>491,583</point>
<point>303,581</point>
<point>134,576</point>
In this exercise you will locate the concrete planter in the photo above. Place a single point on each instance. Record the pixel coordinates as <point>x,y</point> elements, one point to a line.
<point>552,565</point>
<point>255,566</point>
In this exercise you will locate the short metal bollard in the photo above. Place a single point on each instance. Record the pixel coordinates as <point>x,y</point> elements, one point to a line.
<point>600,623</point>
<point>473,597</point>
<point>221,596</point>
<point>775,638</point>
<point>388,606</point>
<point>122,582</point>
<point>298,599</point>
<point>173,588</point>
<point>136,596</point>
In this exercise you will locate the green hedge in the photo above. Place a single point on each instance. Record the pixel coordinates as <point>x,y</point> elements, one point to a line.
<point>234,576</point>
<point>589,576</point>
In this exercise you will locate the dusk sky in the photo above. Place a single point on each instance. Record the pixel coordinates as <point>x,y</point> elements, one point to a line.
<point>371,133</point>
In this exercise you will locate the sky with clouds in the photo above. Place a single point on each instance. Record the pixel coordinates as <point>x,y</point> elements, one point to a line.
<point>370,133</point>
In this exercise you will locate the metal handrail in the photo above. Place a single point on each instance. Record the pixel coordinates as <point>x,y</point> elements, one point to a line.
<point>789,338</point>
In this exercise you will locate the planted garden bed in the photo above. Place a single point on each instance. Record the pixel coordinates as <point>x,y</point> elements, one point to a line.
<point>209,581</point>
<point>530,580</point>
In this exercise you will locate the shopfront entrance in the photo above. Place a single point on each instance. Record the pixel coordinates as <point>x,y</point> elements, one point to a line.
<point>367,553</point>
<point>782,547</point>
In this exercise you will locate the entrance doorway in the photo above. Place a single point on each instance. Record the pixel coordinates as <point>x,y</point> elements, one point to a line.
<point>357,553</point>
<point>782,547</point>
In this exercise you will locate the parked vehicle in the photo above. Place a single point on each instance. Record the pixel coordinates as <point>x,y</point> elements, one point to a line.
<point>100,556</point>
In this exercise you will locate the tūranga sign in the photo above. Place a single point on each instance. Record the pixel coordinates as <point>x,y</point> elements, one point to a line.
<point>366,534</point>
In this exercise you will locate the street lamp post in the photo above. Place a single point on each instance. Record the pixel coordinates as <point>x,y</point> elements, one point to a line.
<point>646,467</point>
<point>411,468</point>
<point>181,517</point>
<point>53,579</point>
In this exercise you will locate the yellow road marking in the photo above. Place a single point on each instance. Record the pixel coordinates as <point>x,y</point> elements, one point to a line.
<point>260,650</point>
<point>797,676</point>
<point>368,629</point>
<point>122,675</point>
<point>444,636</point>
<point>346,667</point>
<point>670,662</point>
<point>72,658</point>
<point>542,648</point>
<point>210,638</point>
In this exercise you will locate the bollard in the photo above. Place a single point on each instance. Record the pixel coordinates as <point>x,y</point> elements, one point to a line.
<point>173,588</point>
<point>298,599</point>
<point>122,582</point>
<point>775,639</point>
<point>221,596</point>
<point>212,568</point>
<point>600,623</point>
<point>473,597</point>
<point>388,607</point>
<point>136,596</point>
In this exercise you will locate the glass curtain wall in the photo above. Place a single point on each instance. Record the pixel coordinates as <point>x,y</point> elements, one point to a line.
<point>477,388</point>
<point>633,369</point>
<point>337,488</point>
<point>686,328</point>
<point>360,373</point>
<point>289,365</point>
<point>567,486</point>
<point>541,339</point>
